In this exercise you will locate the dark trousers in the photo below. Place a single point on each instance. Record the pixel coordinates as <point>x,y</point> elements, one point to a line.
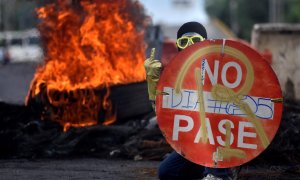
<point>177,167</point>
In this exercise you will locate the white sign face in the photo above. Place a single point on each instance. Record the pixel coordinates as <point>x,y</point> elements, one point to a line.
<point>187,100</point>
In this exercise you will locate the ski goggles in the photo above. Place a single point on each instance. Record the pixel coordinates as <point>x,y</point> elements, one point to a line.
<point>185,41</point>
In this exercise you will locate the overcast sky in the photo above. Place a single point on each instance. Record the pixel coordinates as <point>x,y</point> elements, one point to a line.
<point>175,12</point>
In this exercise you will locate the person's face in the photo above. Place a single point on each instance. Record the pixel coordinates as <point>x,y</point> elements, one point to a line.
<point>188,39</point>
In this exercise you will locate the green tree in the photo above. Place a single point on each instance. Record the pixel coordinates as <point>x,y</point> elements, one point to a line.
<point>218,9</point>
<point>247,13</point>
<point>292,11</point>
<point>244,15</point>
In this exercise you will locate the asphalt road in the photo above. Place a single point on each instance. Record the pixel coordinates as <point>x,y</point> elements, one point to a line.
<point>77,169</point>
<point>15,81</point>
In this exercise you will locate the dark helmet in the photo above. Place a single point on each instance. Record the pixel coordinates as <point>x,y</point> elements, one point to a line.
<point>192,27</point>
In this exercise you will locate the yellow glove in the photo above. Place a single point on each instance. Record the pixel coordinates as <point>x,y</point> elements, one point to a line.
<point>153,69</point>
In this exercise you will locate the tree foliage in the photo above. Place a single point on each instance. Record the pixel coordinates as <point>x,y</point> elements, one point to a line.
<point>247,13</point>
<point>292,11</point>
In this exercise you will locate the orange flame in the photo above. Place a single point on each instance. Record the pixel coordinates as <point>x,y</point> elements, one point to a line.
<point>93,45</point>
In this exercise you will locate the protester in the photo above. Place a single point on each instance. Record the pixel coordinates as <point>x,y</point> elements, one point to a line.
<point>175,166</point>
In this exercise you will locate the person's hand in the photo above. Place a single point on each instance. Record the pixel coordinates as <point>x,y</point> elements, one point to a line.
<point>153,69</point>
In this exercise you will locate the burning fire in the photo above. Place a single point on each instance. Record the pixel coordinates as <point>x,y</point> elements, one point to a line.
<point>89,44</point>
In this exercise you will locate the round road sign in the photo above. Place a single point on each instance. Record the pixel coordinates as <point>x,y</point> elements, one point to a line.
<point>219,103</point>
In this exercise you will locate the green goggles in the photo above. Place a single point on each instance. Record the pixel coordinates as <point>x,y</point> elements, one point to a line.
<point>185,41</point>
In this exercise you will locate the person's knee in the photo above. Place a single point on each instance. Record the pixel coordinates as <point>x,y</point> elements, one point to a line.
<point>162,172</point>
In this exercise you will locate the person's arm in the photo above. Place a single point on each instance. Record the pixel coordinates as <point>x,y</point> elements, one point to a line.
<point>153,68</point>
